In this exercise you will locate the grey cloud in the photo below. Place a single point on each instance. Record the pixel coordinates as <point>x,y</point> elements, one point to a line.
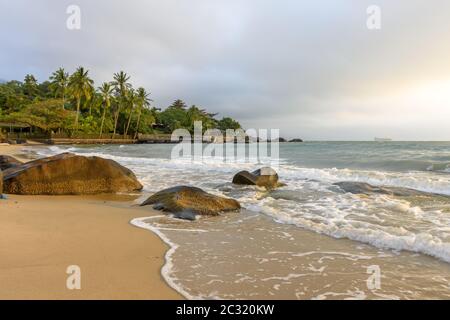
<point>294,65</point>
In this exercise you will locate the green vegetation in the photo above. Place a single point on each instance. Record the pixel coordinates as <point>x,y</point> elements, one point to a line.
<point>71,105</point>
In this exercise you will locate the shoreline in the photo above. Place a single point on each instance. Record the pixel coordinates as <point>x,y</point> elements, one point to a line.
<point>40,236</point>
<point>165,270</point>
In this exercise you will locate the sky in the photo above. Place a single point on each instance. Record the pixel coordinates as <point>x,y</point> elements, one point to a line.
<point>312,69</point>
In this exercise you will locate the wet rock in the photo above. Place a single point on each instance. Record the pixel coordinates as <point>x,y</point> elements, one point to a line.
<point>264,177</point>
<point>7,162</point>
<point>367,189</point>
<point>187,202</point>
<point>68,173</point>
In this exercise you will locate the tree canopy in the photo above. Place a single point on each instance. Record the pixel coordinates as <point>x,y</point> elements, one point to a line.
<point>72,104</point>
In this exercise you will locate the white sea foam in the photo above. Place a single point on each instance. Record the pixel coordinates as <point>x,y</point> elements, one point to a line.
<point>341,220</point>
<point>166,270</point>
<point>310,201</point>
<point>421,181</point>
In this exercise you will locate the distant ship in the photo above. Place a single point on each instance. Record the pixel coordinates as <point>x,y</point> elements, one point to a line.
<point>382,139</point>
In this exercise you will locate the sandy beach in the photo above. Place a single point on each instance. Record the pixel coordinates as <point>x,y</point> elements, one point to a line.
<point>40,236</point>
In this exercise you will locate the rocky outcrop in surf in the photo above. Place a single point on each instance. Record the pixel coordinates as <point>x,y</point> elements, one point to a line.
<point>367,189</point>
<point>67,174</point>
<point>187,202</point>
<point>264,177</point>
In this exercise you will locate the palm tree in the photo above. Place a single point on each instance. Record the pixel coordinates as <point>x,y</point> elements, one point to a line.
<point>106,91</point>
<point>121,86</point>
<point>80,85</point>
<point>94,102</point>
<point>131,101</point>
<point>59,82</point>
<point>143,101</point>
<point>30,86</point>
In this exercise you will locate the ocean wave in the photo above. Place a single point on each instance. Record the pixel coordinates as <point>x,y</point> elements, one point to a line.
<point>310,200</point>
<point>421,181</point>
<point>379,221</point>
<point>431,181</point>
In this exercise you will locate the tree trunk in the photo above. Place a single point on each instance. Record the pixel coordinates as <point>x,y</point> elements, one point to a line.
<point>128,123</point>
<point>116,119</point>
<point>137,125</point>
<point>78,112</point>
<point>103,120</point>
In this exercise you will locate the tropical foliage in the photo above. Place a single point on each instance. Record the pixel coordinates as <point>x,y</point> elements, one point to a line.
<point>71,104</point>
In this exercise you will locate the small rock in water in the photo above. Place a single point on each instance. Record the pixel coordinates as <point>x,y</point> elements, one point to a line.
<point>264,177</point>
<point>367,189</point>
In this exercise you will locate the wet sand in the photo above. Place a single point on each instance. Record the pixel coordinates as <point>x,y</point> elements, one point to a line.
<point>247,256</point>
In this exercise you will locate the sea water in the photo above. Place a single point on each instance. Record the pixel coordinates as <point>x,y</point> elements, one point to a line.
<point>309,239</point>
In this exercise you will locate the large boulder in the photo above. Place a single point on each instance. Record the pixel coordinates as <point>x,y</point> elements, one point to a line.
<point>187,202</point>
<point>1,183</point>
<point>264,177</point>
<point>68,173</point>
<point>7,162</point>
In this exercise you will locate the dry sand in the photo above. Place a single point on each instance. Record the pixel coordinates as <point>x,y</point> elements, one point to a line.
<point>40,236</point>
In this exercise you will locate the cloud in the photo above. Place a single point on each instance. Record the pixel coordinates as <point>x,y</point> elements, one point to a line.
<point>312,69</point>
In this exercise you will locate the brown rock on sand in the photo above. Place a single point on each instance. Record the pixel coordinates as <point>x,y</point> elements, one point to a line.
<point>7,162</point>
<point>1,182</point>
<point>186,202</point>
<point>264,177</point>
<point>68,173</point>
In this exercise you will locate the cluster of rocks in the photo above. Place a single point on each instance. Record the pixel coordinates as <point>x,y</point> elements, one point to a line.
<point>70,174</point>
<point>186,202</point>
